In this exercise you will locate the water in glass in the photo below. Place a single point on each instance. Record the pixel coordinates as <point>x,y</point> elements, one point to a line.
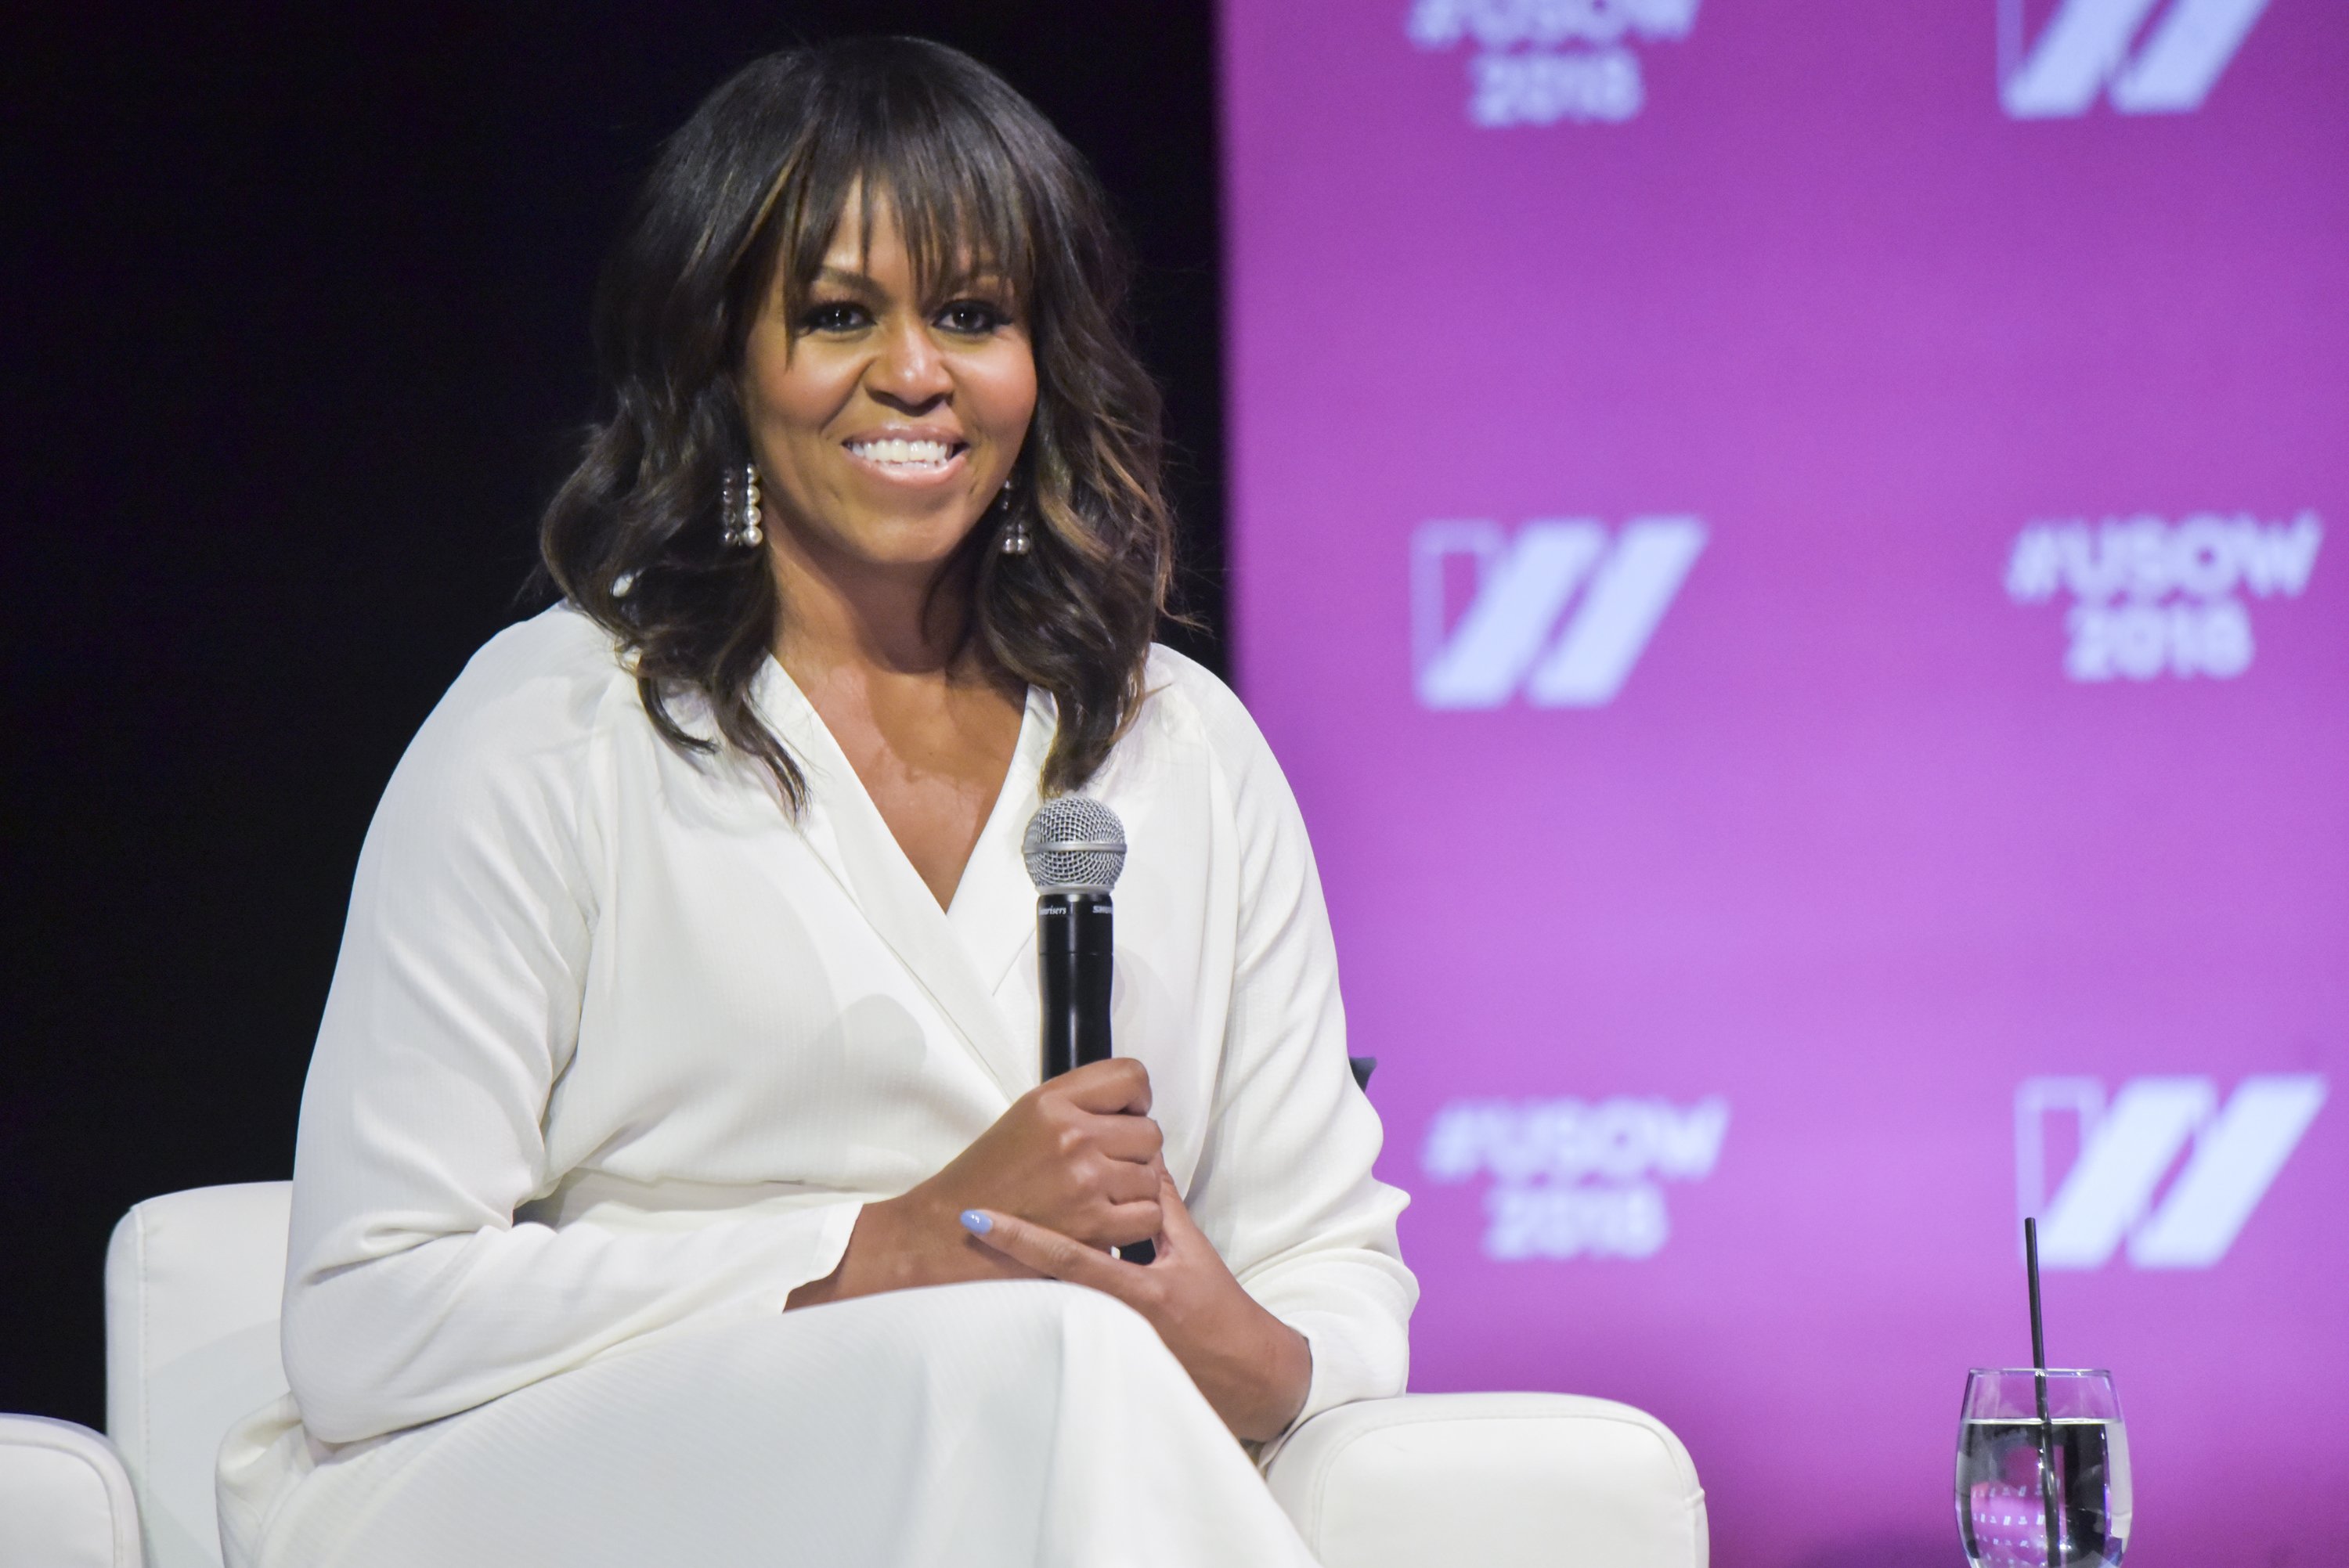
<point>2012,1463</point>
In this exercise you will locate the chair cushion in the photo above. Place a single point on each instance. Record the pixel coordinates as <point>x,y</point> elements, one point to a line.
<point>64,1501</point>
<point>1516,1479</point>
<point>193,1282</point>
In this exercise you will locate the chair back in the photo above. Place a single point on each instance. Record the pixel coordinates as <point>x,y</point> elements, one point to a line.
<point>192,1284</point>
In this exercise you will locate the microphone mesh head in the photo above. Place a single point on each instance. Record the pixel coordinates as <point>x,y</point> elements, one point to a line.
<point>1074,844</point>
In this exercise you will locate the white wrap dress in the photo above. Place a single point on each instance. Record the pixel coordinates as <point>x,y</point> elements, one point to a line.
<point>616,1047</point>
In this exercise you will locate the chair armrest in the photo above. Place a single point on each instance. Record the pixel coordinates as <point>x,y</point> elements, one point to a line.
<point>1503,1481</point>
<point>65,1499</point>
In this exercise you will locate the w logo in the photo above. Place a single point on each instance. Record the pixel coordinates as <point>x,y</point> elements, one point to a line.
<point>1509,635</point>
<point>2086,47</point>
<point>2126,1147</point>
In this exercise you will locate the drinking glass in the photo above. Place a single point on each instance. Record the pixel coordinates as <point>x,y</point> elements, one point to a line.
<point>2031,1444</point>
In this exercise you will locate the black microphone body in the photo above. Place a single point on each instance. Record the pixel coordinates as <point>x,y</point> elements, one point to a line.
<point>1076,956</point>
<point>1075,849</point>
<point>1076,950</point>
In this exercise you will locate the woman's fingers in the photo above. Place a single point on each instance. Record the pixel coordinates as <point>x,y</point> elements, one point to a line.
<point>1130,1138</point>
<point>1131,1222</point>
<point>1172,1216</point>
<point>1179,1235</point>
<point>1120,1181</point>
<point>1049,1253</point>
<point>1107,1087</point>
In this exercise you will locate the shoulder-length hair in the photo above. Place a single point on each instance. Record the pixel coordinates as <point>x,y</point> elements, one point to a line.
<point>749,193</point>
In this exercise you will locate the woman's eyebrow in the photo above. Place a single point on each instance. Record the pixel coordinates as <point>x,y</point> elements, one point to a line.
<point>982,278</point>
<point>977,277</point>
<point>841,277</point>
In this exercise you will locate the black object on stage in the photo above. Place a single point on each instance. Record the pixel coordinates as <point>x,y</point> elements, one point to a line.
<point>1075,851</point>
<point>1075,948</point>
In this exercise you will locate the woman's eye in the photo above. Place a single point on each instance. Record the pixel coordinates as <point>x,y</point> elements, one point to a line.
<point>972,317</point>
<point>832,319</point>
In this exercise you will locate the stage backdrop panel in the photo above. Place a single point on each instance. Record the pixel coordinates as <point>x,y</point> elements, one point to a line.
<point>1791,551</point>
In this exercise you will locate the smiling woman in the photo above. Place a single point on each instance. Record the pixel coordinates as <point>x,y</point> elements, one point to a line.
<point>674,1182</point>
<point>754,249</point>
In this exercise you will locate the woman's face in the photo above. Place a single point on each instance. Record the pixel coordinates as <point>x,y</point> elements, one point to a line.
<point>885,421</point>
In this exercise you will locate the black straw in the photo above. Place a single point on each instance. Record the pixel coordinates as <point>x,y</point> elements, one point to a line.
<point>2039,1382</point>
<point>2038,1328</point>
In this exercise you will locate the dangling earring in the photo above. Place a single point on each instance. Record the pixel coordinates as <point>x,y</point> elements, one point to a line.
<point>738,506</point>
<point>1015,536</point>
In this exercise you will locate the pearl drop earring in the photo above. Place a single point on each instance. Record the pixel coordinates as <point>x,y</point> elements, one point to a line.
<point>1015,536</point>
<point>740,507</point>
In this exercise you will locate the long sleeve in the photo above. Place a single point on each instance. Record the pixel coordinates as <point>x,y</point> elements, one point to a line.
<point>413,1291</point>
<point>1284,1187</point>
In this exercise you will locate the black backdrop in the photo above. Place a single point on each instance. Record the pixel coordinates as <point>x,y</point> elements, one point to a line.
<point>295,344</point>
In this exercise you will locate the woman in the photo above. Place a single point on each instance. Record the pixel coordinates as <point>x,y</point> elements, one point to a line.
<point>674,1182</point>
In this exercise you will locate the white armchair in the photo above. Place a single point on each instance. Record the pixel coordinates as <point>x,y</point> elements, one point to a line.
<point>1506,1480</point>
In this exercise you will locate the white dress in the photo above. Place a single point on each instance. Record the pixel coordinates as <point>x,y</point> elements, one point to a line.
<point>615,1050</point>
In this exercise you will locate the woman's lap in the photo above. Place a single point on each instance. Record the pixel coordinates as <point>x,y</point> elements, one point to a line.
<point>1023,1423</point>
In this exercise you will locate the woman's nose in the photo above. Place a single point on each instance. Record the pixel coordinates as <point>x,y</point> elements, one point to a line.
<point>910,372</point>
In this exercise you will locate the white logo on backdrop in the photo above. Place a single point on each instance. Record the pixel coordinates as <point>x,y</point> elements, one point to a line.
<point>1572,1179</point>
<point>1504,638</point>
<point>2085,48</point>
<point>2126,1147</point>
<point>1542,61</point>
<point>2150,598</point>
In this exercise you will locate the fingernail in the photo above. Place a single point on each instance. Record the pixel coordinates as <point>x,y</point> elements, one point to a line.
<point>977,1223</point>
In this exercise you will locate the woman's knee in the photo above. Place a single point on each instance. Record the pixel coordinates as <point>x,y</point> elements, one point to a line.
<point>1003,1322</point>
<point>1054,1305</point>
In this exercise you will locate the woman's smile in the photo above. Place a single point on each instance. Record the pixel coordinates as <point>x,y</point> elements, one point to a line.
<point>909,456</point>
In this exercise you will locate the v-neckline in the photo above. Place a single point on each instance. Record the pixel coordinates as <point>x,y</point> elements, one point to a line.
<point>958,953</point>
<point>1037,716</point>
<point>1015,800</point>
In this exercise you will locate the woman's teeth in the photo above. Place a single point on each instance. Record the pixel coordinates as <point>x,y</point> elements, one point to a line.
<point>904,454</point>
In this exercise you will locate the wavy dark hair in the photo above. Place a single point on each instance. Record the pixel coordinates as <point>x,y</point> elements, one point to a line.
<point>751,190</point>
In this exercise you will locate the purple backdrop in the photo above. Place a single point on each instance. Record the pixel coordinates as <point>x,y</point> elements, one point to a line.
<point>1782,543</point>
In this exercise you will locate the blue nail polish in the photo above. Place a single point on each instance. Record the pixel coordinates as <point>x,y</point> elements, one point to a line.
<point>977,1223</point>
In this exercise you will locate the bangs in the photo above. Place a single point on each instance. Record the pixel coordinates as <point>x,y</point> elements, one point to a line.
<point>941,164</point>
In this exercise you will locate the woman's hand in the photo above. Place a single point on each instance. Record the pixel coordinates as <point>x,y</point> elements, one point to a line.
<point>1254,1368</point>
<point>1077,1155</point>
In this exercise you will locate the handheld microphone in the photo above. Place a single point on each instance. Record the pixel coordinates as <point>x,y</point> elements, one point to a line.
<point>1075,850</point>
